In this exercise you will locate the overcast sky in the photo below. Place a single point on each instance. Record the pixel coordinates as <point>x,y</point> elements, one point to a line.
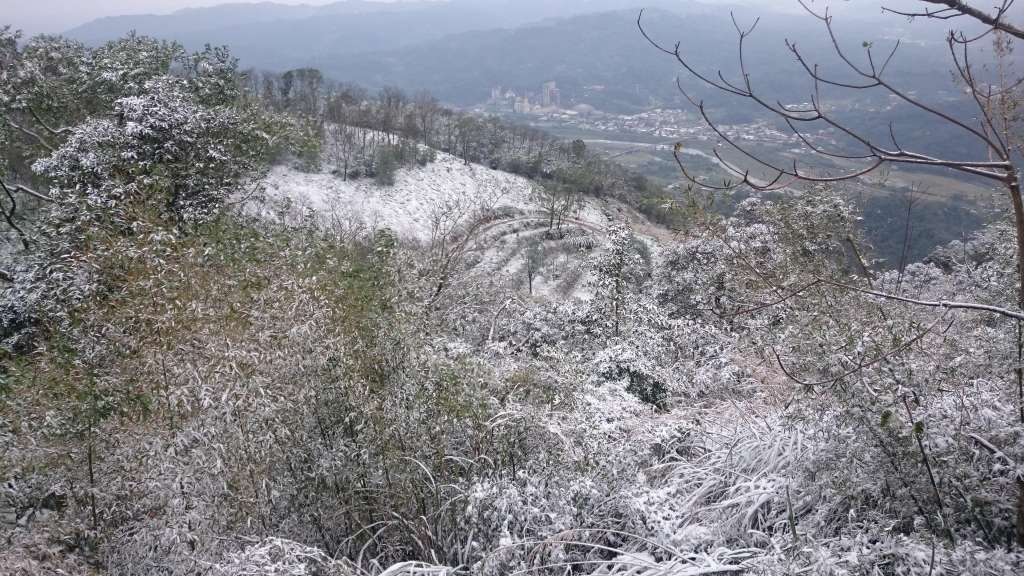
<point>36,16</point>
<point>54,16</point>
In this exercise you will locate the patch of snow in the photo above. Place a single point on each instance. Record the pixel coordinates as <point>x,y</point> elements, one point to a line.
<point>409,206</point>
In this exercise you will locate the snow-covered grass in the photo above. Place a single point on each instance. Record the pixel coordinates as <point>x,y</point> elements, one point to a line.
<point>439,201</point>
<point>409,207</point>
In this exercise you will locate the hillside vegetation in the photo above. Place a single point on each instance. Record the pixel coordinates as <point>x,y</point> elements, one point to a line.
<point>251,329</point>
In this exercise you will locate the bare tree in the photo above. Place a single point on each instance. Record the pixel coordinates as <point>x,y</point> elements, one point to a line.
<point>996,126</point>
<point>309,86</point>
<point>427,108</point>
<point>560,200</point>
<point>391,102</point>
<point>455,220</point>
<point>533,260</point>
<point>448,120</point>
<point>343,143</point>
<point>468,136</point>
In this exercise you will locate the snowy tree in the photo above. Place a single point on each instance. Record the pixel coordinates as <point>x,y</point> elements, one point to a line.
<point>533,261</point>
<point>618,268</point>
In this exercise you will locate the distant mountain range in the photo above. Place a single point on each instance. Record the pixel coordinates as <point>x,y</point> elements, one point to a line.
<point>607,50</point>
<point>351,26</point>
<point>279,37</point>
<point>459,49</point>
<point>503,13</point>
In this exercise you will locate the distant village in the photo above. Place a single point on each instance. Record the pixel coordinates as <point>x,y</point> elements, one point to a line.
<point>545,111</point>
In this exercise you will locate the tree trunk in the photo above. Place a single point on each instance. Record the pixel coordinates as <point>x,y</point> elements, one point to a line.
<point>1013,185</point>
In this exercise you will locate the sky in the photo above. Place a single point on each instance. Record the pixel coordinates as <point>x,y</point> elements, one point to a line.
<point>55,16</point>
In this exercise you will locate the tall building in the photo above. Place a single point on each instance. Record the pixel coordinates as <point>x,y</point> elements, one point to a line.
<point>496,94</point>
<point>550,95</point>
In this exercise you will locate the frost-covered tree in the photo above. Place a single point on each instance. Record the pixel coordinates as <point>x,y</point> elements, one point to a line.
<point>135,137</point>
<point>618,269</point>
<point>533,261</point>
<point>136,120</point>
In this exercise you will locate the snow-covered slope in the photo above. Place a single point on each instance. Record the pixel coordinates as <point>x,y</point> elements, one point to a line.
<point>439,203</point>
<point>408,206</point>
<point>420,196</point>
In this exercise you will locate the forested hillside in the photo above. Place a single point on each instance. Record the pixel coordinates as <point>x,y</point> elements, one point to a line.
<point>343,129</point>
<point>264,324</point>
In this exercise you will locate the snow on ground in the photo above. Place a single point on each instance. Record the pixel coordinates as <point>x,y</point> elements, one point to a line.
<point>409,208</point>
<point>420,196</point>
<point>433,201</point>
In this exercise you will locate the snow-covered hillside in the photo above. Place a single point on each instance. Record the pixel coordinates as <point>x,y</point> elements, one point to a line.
<point>448,201</point>
<point>419,197</point>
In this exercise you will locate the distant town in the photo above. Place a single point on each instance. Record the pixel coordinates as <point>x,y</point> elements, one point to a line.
<point>510,101</point>
<point>543,110</point>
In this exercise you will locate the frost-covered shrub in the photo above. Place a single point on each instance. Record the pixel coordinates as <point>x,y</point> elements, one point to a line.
<point>251,381</point>
<point>691,277</point>
<point>384,167</point>
<point>165,150</point>
<point>135,138</point>
<point>622,362</point>
<point>915,406</point>
<point>277,557</point>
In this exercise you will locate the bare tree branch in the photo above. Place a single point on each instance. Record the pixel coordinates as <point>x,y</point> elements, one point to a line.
<point>29,191</point>
<point>37,137</point>
<point>862,365</point>
<point>948,304</point>
<point>997,453</point>
<point>54,131</point>
<point>956,9</point>
<point>875,79</point>
<point>9,216</point>
<point>878,155</point>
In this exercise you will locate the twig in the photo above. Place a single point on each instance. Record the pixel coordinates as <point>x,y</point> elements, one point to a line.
<point>54,131</point>
<point>958,8</point>
<point>29,191</point>
<point>918,433</point>
<point>28,132</point>
<point>948,304</point>
<point>861,365</point>
<point>9,217</point>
